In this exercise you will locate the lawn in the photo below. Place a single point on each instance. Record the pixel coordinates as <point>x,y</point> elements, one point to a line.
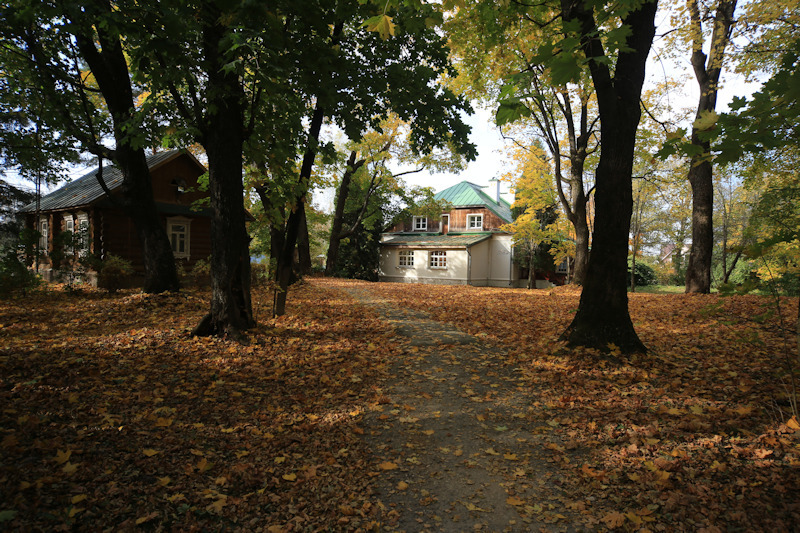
<point>114,418</point>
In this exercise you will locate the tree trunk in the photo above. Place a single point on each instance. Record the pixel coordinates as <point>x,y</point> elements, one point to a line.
<point>698,272</point>
<point>338,214</point>
<point>110,69</point>
<point>303,245</point>
<point>602,321</point>
<point>283,269</point>
<point>581,226</point>
<point>532,271</point>
<point>223,139</point>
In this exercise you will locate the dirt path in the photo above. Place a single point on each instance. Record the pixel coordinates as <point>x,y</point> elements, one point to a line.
<point>453,438</point>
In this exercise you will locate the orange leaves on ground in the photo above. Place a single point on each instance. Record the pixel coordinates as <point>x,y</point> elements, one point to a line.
<point>689,433</point>
<point>115,417</point>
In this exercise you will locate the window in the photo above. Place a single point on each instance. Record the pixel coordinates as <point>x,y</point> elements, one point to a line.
<point>83,240</point>
<point>178,231</point>
<point>69,225</point>
<point>563,267</point>
<point>475,222</point>
<point>438,259</point>
<point>43,227</point>
<point>406,258</point>
<point>420,223</point>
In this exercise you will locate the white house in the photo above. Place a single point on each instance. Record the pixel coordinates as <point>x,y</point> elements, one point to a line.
<point>465,246</point>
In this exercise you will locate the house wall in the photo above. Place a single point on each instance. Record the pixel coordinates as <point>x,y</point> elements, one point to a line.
<point>421,272</point>
<point>166,177</point>
<point>480,262</point>
<point>502,269</point>
<point>458,221</point>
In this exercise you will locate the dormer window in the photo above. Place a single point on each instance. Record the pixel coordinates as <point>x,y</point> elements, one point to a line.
<point>420,224</point>
<point>180,186</point>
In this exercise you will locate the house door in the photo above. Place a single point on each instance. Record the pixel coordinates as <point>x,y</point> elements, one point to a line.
<point>445,224</point>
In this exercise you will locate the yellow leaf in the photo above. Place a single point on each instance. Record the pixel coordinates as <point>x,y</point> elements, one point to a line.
<point>706,120</point>
<point>219,504</point>
<point>150,452</point>
<point>146,518</point>
<point>472,507</point>
<point>402,485</point>
<point>70,468</point>
<point>428,432</point>
<point>164,481</point>
<point>388,465</point>
<point>290,477</point>
<point>79,498</point>
<point>793,424</point>
<point>74,511</point>
<point>62,457</point>
<point>177,497</point>
<point>163,422</point>
<point>511,500</point>
<point>614,519</point>
<point>241,454</point>
<point>203,465</point>
<point>633,517</point>
<point>696,409</point>
<point>73,398</point>
<point>491,451</point>
<point>510,456</point>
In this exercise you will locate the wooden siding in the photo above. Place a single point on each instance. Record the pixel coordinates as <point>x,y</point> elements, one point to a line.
<point>458,221</point>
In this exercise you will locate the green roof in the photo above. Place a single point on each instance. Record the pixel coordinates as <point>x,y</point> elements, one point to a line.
<point>437,241</point>
<point>467,194</point>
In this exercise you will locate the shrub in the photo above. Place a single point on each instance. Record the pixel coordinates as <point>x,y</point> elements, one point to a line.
<point>112,273</point>
<point>201,272</point>
<point>645,275</point>
<point>14,274</point>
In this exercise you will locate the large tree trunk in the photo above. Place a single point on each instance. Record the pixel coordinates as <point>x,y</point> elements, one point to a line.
<point>231,307</point>
<point>110,69</point>
<point>698,272</point>
<point>602,321</point>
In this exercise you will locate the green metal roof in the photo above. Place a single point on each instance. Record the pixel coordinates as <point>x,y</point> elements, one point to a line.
<point>468,194</point>
<point>437,241</point>
<point>86,189</point>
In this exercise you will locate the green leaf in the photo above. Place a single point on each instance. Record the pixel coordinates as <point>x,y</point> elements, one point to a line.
<point>7,515</point>
<point>511,110</point>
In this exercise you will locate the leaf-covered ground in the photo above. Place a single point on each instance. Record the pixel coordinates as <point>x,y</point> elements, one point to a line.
<point>112,417</point>
<point>687,438</point>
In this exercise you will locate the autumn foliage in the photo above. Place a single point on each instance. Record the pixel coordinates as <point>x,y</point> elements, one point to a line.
<point>113,417</point>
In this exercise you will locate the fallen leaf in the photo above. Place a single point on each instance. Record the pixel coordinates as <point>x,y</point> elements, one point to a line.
<point>388,465</point>
<point>150,452</point>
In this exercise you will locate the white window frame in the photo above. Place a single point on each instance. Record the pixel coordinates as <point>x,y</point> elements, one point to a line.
<point>44,227</point>
<point>420,223</point>
<point>475,216</point>
<point>405,259</point>
<point>172,224</point>
<point>69,225</point>
<point>84,239</point>
<point>563,267</point>
<point>437,259</point>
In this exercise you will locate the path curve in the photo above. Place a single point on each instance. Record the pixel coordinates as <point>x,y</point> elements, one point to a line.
<point>451,437</point>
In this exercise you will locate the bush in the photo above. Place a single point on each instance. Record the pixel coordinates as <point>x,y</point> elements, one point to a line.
<point>645,275</point>
<point>112,273</point>
<point>14,274</point>
<point>201,272</point>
